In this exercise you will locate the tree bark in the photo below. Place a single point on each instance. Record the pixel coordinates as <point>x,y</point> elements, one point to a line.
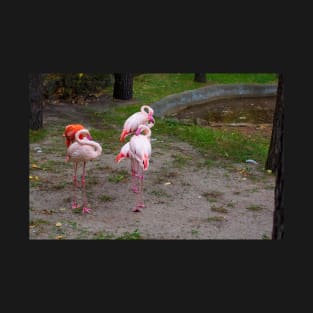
<point>274,149</point>
<point>123,86</point>
<point>200,77</point>
<point>279,212</point>
<point>36,101</point>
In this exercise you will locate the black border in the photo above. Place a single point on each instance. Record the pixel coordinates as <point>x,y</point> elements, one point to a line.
<point>166,46</point>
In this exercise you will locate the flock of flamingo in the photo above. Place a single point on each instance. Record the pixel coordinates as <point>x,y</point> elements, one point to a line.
<point>81,148</point>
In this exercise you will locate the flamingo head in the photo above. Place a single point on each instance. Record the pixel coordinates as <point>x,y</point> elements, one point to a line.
<point>70,131</point>
<point>150,118</point>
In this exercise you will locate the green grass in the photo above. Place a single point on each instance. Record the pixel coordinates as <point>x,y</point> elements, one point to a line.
<point>118,176</point>
<point>194,232</point>
<point>265,237</point>
<point>101,235</point>
<point>37,135</point>
<point>219,209</point>
<point>242,78</point>
<point>39,221</point>
<point>135,235</point>
<point>216,218</point>
<point>180,160</point>
<point>228,145</point>
<point>254,208</point>
<point>105,198</point>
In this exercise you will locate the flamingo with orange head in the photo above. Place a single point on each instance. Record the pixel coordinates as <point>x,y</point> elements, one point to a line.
<point>82,150</point>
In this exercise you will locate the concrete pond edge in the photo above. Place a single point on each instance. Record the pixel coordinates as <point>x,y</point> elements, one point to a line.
<point>179,101</point>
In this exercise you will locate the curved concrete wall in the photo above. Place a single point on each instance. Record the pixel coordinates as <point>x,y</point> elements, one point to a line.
<point>180,101</point>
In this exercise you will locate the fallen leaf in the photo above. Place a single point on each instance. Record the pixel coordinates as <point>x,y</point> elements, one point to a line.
<point>62,209</point>
<point>59,237</point>
<point>58,224</point>
<point>168,183</point>
<point>31,226</point>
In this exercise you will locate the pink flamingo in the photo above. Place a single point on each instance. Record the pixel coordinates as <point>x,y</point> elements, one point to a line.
<point>82,150</point>
<point>136,119</point>
<point>140,153</point>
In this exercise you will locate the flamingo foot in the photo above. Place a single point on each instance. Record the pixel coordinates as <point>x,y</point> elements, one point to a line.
<point>137,209</point>
<point>75,205</point>
<point>135,189</point>
<point>86,210</point>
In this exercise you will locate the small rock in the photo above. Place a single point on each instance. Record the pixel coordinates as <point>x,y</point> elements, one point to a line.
<point>251,161</point>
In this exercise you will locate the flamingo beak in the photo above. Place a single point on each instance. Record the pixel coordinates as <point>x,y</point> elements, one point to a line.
<point>151,119</point>
<point>89,137</point>
<point>145,163</point>
<point>123,135</point>
<point>119,157</point>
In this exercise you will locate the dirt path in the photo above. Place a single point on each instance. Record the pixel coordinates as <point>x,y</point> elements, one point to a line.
<point>185,199</point>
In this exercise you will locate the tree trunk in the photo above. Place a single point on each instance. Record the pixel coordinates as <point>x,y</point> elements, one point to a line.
<point>36,101</point>
<point>279,212</point>
<point>123,86</point>
<point>200,77</point>
<point>274,149</point>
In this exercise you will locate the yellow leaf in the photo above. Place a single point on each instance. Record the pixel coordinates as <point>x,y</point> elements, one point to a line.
<point>36,177</point>
<point>34,166</point>
<point>30,177</point>
<point>58,224</point>
<point>59,237</point>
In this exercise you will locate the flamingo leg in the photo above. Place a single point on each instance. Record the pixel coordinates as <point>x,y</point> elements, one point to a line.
<point>134,186</point>
<point>74,202</point>
<point>85,208</point>
<point>139,194</point>
<point>140,202</point>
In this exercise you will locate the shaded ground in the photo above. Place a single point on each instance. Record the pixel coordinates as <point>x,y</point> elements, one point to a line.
<point>185,197</point>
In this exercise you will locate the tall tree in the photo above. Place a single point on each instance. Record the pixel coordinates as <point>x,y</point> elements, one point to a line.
<point>200,77</point>
<point>279,211</point>
<point>275,148</point>
<point>123,86</point>
<point>36,101</point>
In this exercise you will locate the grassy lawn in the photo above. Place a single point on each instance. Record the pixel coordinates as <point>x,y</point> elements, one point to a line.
<point>149,88</point>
